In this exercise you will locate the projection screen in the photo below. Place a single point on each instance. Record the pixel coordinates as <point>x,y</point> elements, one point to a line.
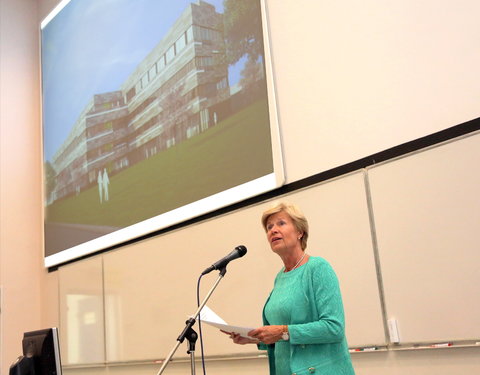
<point>153,112</point>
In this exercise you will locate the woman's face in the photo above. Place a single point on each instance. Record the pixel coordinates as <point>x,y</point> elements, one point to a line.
<point>282,233</point>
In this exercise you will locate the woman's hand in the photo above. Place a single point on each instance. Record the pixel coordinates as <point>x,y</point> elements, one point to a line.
<point>237,339</point>
<point>267,334</point>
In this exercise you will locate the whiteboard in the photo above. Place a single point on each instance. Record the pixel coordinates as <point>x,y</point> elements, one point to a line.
<point>427,215</point>
<point>150,286</point>
<point>82,339</point>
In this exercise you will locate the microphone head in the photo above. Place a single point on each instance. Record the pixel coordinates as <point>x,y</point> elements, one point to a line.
<point>242,250</point>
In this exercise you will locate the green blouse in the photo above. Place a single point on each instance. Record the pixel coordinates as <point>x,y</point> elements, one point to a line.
<point>308,300</point>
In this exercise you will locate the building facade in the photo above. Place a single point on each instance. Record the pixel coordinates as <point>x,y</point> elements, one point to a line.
<point>171,96</point>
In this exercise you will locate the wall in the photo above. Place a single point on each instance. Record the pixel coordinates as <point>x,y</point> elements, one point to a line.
<point>414,217</point>
<point>24,283</point>
<point>363,76</point>
<point>389,73</point>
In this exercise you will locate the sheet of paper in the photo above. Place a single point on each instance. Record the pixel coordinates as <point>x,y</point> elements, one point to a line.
<point>208,315</point>
<point>211,318</point>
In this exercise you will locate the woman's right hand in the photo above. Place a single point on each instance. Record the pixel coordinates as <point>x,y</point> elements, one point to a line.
<point>237,339</point>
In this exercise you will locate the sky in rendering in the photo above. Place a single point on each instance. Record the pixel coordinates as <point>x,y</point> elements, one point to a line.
<point>91,47</point>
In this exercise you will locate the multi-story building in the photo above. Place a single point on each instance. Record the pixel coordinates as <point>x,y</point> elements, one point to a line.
<point>106,135</point>
<point>171,96</point>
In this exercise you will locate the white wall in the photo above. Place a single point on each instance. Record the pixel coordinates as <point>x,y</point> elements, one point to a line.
<point>360,76</point>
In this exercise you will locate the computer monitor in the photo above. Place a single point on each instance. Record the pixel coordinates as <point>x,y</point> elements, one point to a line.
<point>41,354</point>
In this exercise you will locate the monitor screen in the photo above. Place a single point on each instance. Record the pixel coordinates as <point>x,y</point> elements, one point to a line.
<point>41,354</point>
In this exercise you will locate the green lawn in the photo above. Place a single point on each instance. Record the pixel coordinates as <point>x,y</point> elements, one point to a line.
<point>233,152</point>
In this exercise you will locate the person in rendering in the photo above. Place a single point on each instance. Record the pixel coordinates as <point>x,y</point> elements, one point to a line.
<point>100,186</point>
<point>303,317</point>
<point>106,182</point>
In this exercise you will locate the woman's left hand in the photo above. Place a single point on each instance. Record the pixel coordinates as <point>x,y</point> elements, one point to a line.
<point>267,334</point>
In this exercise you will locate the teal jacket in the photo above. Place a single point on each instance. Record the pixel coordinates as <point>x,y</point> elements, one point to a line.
<point>317,327</point>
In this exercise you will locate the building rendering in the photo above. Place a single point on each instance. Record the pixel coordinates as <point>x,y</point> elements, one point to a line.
<point>178,91</point>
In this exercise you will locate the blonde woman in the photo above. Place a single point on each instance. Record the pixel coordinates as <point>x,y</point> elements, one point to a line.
<point>303,317</point>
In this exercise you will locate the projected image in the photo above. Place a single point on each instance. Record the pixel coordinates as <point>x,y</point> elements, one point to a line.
<point>150,106</point>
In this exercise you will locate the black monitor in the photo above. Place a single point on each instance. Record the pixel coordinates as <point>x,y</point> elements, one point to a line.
<point>41,354</point>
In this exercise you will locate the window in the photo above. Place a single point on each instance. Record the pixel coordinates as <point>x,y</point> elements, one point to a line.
<point>170,54</point>
<point>180,43</point>
<point>205,61</point>
<point>222,84</point>
<point>189,34</point>
<point>161,64</point>
<point>170,142</point>
<point>192,131</point>
<point>207,34</point>
<point>145,80</point>
<point>152,72</point>
<point>204,117</point>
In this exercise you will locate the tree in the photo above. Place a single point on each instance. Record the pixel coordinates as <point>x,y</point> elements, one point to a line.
<point>243,30</point>
<point>251,74</point>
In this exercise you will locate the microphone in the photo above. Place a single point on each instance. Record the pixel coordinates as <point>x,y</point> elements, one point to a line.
<point>238,252</point>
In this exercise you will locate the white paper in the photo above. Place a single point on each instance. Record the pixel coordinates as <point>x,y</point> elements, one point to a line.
<point>211,318</point>
<point>208,315</point>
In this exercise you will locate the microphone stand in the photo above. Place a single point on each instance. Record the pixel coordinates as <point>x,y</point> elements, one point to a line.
<point>188,332</point>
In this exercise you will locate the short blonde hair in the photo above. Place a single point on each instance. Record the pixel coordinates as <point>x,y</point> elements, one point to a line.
<point>298,218</point>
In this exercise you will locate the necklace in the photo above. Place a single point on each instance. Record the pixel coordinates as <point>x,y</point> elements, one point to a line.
<point>300,261</point>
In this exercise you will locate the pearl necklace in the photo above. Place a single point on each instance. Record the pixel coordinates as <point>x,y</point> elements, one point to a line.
<point>296,265</point>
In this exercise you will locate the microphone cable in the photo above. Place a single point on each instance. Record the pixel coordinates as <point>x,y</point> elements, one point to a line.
<point>200,325</point>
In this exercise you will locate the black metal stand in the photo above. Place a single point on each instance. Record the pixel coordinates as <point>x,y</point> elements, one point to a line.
<point>188,332</point>
<point>192,337</point>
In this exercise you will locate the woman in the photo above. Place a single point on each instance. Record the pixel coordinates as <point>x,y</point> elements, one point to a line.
<point>303,317</point>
